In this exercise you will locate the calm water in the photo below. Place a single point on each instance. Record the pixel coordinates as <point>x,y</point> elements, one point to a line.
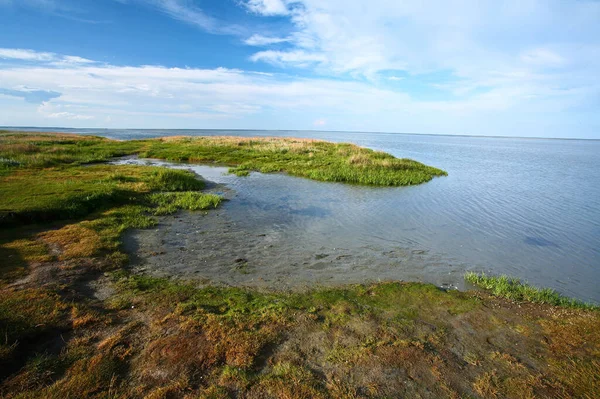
<point>527,208</point>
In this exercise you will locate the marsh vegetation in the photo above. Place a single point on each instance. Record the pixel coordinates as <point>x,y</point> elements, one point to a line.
<point>76,322</point>
<point>314,159</point>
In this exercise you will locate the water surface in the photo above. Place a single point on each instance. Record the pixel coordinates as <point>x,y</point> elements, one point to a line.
<point>529,208</point>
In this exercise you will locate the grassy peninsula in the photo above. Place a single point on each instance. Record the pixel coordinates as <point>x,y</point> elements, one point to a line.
<point>314,159</point>
<point>76,322</point>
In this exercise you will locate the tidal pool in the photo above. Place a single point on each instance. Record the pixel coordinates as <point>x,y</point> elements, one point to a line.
<point>282,232</point>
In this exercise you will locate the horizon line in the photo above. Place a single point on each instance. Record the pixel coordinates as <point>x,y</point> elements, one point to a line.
<point>309,130</point>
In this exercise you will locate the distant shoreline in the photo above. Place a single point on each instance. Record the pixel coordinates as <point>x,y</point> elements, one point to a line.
<point>78,130</point>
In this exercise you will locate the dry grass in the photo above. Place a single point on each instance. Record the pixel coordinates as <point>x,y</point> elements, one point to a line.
<point>17,148</point>
<point>225,342</point>
<point>74,241</point>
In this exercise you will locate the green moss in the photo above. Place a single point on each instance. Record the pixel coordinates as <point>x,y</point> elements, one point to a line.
<point>513,289</point>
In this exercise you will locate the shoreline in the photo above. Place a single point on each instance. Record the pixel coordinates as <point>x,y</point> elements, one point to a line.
<point>38,129</point>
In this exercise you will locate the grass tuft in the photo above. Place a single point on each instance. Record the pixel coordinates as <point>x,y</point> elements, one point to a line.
<point>174,180</point>
<point>168,203</point>
<point>513,289</point>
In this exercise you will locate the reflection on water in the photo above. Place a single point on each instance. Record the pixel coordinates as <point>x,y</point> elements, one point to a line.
<point>527,208</point>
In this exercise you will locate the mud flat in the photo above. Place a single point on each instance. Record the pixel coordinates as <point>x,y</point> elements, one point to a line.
<point>211,248</point>
<point>279,232</point>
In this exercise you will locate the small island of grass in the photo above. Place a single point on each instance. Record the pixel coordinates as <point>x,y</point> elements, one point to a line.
<point>76,321</point>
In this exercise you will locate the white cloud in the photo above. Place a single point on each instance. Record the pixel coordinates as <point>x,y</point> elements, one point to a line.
<point>187,11</point>
<point>94,94</point>
<point>297,58</point>
<point>543,58</point>
<point>260,40</point>
<point>472,41</point>
<point>26,55</point>
<point>70,59</point>
<point>41,57</point>
<point>267,7</point>
<point>69,115</point>
<point>51,111</point>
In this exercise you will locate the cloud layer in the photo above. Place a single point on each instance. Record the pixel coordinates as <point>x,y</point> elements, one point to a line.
<point>514,67</point>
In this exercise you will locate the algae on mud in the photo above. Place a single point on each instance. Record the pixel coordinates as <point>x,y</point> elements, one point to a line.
<point>76,322</point>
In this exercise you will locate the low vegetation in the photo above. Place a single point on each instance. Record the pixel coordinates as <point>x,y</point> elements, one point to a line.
<point>76,322</point>
<point>314,159</point>
<point>512,288</point>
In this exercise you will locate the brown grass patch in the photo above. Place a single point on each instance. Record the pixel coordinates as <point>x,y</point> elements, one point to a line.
<point>287,381</point>
<point>74,241</point>
<point>19,137</point>
<point>25,148</point>
<point>182,354</point>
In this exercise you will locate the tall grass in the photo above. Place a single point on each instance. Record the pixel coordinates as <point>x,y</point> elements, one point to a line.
<point>513,289</point>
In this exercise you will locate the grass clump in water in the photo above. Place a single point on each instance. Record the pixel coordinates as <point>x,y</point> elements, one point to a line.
<point>168,203</point>
<point>513,289</point>
<point>174,180</point>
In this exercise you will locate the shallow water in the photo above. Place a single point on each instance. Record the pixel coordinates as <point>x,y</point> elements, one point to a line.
<point>529,208</point>
<point>284,232</point>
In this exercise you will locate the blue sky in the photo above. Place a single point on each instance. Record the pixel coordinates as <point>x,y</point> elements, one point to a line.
<point>510,68</point>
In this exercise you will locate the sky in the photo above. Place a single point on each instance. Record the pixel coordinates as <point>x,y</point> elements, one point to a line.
<point>501,68</point>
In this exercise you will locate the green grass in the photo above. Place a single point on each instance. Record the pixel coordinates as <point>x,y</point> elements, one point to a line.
<point>41,150</point>
<point>174,180</point>
<point>168,203</point>
<point>513,289</point>
<point>314,159</point>
<point>32,196</point>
